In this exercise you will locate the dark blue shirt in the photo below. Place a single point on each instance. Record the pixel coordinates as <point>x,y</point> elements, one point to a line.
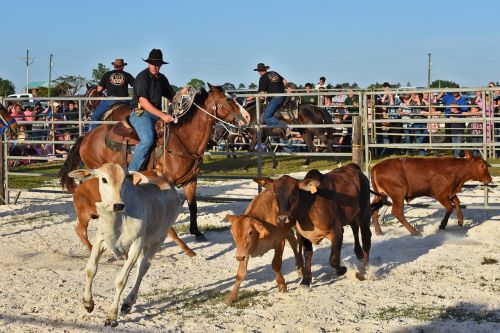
<point>153,88</point>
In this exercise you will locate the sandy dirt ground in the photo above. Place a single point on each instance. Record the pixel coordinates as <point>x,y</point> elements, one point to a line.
<point>442,281</point>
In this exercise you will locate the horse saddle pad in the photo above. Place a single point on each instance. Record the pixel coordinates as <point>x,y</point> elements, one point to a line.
<point>111,109</point>
<point>289,114</point>
<point>123,134</point>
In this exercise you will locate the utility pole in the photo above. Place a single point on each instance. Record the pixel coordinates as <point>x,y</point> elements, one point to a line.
<point>50,73</point>
<point>28,62</point>
<point>429,71</point>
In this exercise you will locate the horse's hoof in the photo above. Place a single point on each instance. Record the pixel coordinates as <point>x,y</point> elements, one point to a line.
<point>126,308</point>
<point>89,307</point>
<point>341,270</point>
<point>109,322</point>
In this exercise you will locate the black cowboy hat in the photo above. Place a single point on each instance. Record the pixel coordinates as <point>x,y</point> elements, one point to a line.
<point>119,62</point>
<point>261,67</point>
<point>155,58</point>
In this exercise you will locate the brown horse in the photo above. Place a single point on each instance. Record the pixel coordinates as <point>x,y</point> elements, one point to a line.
<point>118,112</point>
<point>300,114</point>
<point>183,153</point>
<point>8,124</point>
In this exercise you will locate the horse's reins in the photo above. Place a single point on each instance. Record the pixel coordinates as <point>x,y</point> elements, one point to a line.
<point>223,122</point>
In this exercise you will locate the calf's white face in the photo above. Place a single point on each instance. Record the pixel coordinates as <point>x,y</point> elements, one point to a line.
<point>111,177</point>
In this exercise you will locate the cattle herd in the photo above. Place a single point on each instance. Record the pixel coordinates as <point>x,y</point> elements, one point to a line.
<point>137,211</point>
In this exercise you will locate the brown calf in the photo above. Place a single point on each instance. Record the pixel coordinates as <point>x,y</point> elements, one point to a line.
<point>440,178</point>
<point>258,231</point>
<point>322,204</point>
<point>84,199</point>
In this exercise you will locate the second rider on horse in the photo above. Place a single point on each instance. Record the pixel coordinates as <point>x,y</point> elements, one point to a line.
<point>115,83</point>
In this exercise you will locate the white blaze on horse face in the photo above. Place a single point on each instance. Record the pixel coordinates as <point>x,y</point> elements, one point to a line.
<point>111,177</point>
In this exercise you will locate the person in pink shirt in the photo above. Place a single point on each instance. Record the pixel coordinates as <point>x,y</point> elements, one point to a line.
<point>16,112</point>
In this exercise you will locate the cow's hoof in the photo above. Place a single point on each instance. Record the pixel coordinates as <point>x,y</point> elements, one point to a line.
<point>282,288</point>
<point>89,307</point>
<point>341,270</point>
<point>379,232</point>
<point>109,322</point>
<point>126,308</point>
<point>360,276</point>
<point>200,238</point>
<point>304,286</point>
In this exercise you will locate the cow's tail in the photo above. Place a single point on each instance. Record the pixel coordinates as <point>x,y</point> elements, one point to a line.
<point>72,162</point>
<point>383,201</point>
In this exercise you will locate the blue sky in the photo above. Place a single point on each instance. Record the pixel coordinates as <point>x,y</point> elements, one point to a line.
<point>222,41</point>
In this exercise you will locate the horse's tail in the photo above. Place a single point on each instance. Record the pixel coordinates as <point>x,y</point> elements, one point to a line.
<point>72,162</point>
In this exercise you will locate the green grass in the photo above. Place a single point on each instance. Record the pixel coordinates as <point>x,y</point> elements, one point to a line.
<point>216,166</point>
<point>458,313</point>
<point>189,303</point>
<point>184,228</point>
<point>48,170</point>
<point>221,165</point>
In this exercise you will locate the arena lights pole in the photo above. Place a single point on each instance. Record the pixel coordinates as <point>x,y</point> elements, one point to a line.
<point>429,64</point>
<point>50,73</point>
<point>29,61</point>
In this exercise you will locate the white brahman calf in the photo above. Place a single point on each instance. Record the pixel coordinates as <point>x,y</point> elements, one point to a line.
<point>134,223</point>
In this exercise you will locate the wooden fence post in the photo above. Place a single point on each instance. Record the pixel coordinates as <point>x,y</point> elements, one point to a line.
<point>357,147</point>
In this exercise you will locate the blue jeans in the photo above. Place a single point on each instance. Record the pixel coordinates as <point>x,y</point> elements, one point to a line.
<point>145,128</point>
<point>457,138</point>
<point>273,105</point>
<point>100,110</point>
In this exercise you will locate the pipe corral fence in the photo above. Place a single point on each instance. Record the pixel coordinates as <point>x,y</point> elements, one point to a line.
<point>374,124</point>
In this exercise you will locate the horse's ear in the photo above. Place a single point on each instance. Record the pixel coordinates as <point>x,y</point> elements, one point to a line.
<point>209,86</point>
<point>82,174</point>
<point>88,85</point>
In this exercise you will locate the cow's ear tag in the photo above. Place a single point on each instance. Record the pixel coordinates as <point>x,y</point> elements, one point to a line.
<point>313,189</point>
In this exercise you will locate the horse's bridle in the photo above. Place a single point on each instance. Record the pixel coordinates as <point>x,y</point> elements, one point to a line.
<point>215,107</point>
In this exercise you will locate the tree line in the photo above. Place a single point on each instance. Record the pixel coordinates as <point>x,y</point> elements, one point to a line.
<point>70,85</point>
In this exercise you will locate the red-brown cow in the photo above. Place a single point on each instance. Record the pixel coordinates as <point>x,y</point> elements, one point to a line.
<point>409,178</point>
<point>258,231</point>
<point>322,204</point>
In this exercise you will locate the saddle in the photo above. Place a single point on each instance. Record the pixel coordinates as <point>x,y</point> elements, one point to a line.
<point>109,111</point>
<point>122,137</point>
